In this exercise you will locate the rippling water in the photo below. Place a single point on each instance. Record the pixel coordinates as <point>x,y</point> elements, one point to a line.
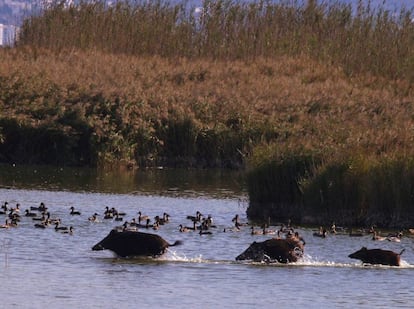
<point>41,268</point>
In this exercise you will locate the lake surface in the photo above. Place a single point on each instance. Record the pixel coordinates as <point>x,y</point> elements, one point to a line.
<point>44,268</point>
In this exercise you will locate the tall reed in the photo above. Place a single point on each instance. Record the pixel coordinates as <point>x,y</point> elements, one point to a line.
<point>353,190</point>
<point>362,39</point>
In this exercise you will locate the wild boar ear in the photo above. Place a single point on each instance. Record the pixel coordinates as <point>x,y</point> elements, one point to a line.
<point>254,242</point>
<point>364,248</point>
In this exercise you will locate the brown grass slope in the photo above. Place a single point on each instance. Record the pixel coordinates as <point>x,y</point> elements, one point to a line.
<point>317,101</point>
<point>284,100</point>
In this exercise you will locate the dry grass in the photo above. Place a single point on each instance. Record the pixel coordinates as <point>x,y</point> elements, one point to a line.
<point>316,99</point>
<point>289,101</point>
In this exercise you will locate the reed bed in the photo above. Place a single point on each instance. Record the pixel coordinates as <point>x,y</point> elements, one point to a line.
<point>358,39</point>
<point>354,191</point>
<point>315,99</point>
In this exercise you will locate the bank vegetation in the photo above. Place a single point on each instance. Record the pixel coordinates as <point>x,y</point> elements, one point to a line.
<point>314,99</point>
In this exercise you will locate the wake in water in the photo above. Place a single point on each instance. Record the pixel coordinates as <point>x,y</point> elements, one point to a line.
<point>306,261</point>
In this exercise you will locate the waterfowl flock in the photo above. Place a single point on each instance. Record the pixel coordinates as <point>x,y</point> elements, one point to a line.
<point>202,224</point>
<point>197,223</point>
<point>39,215</point>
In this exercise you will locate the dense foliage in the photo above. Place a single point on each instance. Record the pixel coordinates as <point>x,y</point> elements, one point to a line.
<point>315,99</point>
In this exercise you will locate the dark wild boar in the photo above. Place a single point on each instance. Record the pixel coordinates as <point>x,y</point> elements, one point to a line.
<point>128,244</point>
<point>281,250</point>
<point>377,256</point>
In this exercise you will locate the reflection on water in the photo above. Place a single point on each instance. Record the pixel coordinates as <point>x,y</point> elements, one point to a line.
<point>171,182</point>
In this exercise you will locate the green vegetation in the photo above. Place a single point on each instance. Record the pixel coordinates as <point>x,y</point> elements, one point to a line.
<point>353,191</point>
<point>316,100</point>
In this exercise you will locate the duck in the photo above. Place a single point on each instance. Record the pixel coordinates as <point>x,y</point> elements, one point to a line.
<point>203,226</point>
<point>156,226</point>
<point>142,217</point>
<point>147,225</point>
<point>93,218</point>
<point>60,228</point>
<point>158,220</point>
<point>395,237</point>
<point>231,229</point>
<point>51,220</point>
<point>333,228</point>
<point>113,211</point>
<point>30,214</point>
<point>267,231</point>
<point>235,218</point>
<point>118,218</point>
<point>196,218</point>
<point>189,228</point>
<point>204,232</point>
<point>183,229</point>
<point>237,223</point>
<point>41,225</point>
<point>133,222</point>
<point>13,223</point>
<point>376,236</point>
<point>17,208</point>
<point>128,227</point>
<point>322,233</point>
<point>209,222</point>
<point>6,225</point>
<point>108,214</point>
<point>14,216</point>
<point>165,218</point>
<point>73,212</point>
<point>42,207</point>
<point>4,207</point>
<point>68,231</point>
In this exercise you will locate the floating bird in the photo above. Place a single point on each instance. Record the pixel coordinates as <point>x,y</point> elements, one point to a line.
<point>267,231</point>
<point>93,218</point>
<point>6,225</point>
<point>142,217</point>
<point>183,229</point>
<point>4,207</point>
<point>41,225</point>
<point>118,218</point>
<point>202,232</point>
<point>69,231</point>
<point>42,207</point>
<point>196,218</point>
<point>322,233</point>
<point>17,209</point>
<point>376,236</point>
<point>73,212</point>
<point>30,214</point>
<point>395,237</point>
<point>60,228</point>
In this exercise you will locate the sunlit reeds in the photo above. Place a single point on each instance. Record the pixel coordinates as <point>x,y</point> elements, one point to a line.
<point>360,39</point>
<point>315,99</point>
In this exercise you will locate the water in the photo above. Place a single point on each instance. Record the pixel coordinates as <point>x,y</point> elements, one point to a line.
<point>41,268</point>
